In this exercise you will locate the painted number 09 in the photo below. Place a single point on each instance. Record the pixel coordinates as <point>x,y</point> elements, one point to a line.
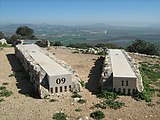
<point>61,81</point>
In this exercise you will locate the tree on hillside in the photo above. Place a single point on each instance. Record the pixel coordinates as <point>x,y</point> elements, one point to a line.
<point>13,39</point>
<point>58,43</point>
<point>143,47</point>
<point>1,35</point>
<point>25,31</point>
<point>80,45</point>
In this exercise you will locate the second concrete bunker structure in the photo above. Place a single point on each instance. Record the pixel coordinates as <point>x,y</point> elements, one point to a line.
<point>121,73</point>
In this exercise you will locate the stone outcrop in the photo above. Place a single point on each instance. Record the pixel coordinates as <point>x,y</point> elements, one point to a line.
<point>3,41</point>
<point>37,74</point>
<point>135,68</point>
<point>95,50</point>
<point>105,81</point>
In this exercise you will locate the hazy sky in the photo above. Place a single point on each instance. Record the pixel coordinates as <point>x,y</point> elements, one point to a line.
<point>121,12</point>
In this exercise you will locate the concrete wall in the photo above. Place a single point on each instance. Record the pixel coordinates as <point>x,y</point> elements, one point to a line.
<point>119,84</point>
<point>60,82</point>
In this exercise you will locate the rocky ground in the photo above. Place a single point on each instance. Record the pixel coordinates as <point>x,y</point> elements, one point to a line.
<point>20,106</point>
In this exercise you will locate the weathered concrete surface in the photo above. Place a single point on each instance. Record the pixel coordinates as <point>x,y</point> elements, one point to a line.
<point>37,73</point>
<point>106,81</point>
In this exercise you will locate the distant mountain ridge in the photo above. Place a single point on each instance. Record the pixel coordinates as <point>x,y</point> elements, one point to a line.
<point>9,29</point>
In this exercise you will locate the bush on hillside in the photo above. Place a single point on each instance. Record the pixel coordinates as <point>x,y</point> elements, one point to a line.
<point>108,45</point>
<point>81,101</point>
<point>80,45</point>
<point>143,47</point>
<point>107,95</point>
<point>58,43</point>
<point>97,115</point>
<point>76,95</point>
<point>59,116</point>
<point>150,75</point>
<point>110,103</point>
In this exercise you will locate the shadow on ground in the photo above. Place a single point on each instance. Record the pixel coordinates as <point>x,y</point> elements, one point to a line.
<point>94,76</point>
<point>22,77</point>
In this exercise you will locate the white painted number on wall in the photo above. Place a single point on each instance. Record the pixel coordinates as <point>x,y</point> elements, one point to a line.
<point>61,81</point>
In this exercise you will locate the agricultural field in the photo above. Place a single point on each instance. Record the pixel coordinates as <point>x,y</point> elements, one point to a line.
<point>92,33</point>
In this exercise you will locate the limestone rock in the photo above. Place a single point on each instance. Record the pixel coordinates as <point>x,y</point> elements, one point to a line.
<point>3,41</point>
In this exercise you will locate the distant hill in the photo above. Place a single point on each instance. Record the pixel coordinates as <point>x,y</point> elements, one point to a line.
<point>89,33</point>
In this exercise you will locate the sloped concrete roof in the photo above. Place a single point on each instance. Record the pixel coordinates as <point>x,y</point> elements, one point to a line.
<point>120,65</point>
<point>49,66</point>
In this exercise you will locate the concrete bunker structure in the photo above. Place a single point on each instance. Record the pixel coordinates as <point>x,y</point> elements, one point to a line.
<point>121,73</point>
<point>48,74</point>
<point>124,79</point>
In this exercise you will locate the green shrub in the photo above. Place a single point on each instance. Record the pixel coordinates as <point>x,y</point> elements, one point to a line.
<point>59,116</point>
<point>108,95</point>
<point>46,97</point>
<point>5,93</point>
<point>78,110</point>
<point>151,104</point>
<point>1,48</point>
<point>76,95</point>
<point>3,45</point>
<point>150,75</point>
<point>51,43</point>
<point>2,88</point>
<point>58,43</point>
<point>100,105</point>
<point>101,53</point>
<point>81,101</point>
<point>108,45</point>
<point>11,75</point>
<point>97,115</point>
<point>143,96</point>
<point>158,102</point>
<point>27,95</point>
<point>82,83</point>
<point>110,103</point>
<point>53,100</point>
<point>1,100</point>
<point>143,47</point>
<point>158,95</point>
<point>5,83</point>
<point>80,45</point>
